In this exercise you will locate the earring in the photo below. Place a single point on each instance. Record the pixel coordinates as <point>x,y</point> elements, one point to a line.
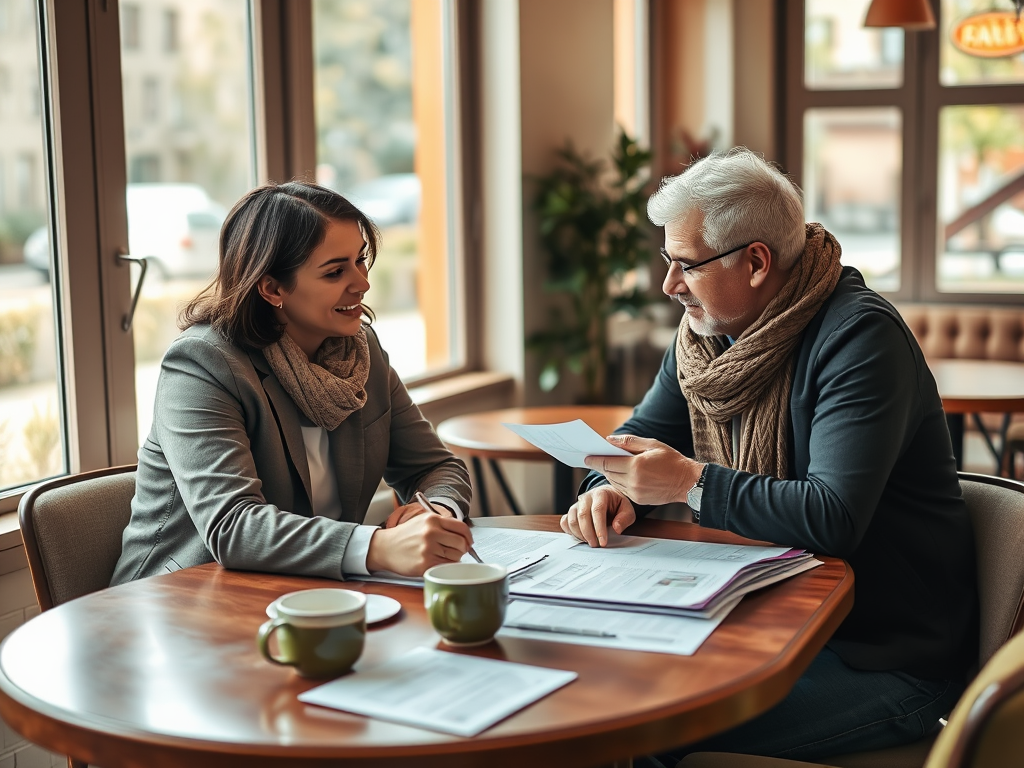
<point>281,305</point>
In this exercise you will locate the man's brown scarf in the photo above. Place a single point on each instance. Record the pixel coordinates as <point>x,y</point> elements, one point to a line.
<point>754,376</point>
<point>330,387</point>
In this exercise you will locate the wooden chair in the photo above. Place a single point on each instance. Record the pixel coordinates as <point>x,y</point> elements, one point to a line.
<point>72,528</point>
<point>996,507</point>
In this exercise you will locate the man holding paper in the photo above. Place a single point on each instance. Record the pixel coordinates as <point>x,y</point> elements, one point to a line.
<point>796,407</point>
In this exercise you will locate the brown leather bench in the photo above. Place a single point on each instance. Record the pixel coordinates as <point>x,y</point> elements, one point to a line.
<point>967,332</point>
<point>972,332</point>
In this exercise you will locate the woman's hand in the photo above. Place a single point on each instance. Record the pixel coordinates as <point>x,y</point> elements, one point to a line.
<point>409,511</point>
<point>417,544</point>
<point>587,519</point>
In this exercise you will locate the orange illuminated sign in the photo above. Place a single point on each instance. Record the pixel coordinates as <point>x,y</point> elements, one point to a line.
<point>990,35</point>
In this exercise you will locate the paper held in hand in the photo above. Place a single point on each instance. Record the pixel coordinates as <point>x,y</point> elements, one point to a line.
<point>570,442</point>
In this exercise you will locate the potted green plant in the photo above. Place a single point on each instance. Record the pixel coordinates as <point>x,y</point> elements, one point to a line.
<point>594,230</point>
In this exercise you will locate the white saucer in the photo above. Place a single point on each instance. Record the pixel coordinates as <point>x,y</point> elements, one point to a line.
<point>378,608</point>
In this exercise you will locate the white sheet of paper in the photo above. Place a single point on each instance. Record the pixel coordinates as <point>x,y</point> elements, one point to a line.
<point>514,548</point>
<point>590,626</point>
<point>570,442</point>
<point>440,691</point>
<point>506,546</point>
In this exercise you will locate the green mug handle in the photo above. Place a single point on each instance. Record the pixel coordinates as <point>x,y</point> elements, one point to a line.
<point>263,638</point>
<point>448,609</point>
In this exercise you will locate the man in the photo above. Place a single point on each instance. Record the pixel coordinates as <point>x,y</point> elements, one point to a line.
<point>814,422</point>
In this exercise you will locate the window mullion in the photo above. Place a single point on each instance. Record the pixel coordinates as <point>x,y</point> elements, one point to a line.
<point>283,83</point>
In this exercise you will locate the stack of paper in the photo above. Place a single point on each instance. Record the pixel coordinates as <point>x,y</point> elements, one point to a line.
<point>675,578</point>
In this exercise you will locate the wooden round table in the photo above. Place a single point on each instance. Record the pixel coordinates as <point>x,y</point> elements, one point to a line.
<point>974,387</point>
<point>482,437</point>
<point>165,672</point>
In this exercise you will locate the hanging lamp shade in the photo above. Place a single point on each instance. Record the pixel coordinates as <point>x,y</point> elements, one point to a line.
<point>908,14</point>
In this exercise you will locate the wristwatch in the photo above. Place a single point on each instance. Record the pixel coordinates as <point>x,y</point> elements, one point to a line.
<point>694,495</point>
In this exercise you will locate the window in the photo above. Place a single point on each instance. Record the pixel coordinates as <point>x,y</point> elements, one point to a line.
<point>230,100</point>
<point>170,30</point>
<point>385,123</point>
<point>5,89</point>
<point>131,27</point>
<point>185,170</point>
<point>26,180</point>
<point>909,148</point>
<point>31,418</point>
<point>150,100</point>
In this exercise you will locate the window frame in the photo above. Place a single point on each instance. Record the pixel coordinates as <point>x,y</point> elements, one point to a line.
<point>920,99</point>
<point>84,151</point>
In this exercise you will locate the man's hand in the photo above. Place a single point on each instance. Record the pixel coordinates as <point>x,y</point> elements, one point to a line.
<point>587,519</point>
<point>655,474</point>
<point>409,511</point>
<point>417,544</point>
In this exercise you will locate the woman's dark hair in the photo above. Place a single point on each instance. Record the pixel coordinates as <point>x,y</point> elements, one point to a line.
<point>272,230</point>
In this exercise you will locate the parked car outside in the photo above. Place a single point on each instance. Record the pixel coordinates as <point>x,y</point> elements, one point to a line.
<point>176,226</point>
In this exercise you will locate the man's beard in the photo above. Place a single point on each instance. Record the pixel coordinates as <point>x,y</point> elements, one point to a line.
<point>705,325</point>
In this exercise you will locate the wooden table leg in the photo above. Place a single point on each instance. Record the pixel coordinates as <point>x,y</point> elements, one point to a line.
<point>481,487</point>
<point>500,477</point>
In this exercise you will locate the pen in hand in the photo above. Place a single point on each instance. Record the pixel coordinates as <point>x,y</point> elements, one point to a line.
<point>422,500</point>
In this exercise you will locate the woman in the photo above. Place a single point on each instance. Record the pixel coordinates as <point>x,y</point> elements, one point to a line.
<point>277,414</point>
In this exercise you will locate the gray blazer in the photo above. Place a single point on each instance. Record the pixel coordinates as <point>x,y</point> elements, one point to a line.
<point>223,474</point>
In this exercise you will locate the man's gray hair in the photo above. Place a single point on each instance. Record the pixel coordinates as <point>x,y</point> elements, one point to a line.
<point>743,199</point>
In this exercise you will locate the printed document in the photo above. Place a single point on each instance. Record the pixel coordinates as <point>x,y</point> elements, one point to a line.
<point>515,548</point>
<point>661,575</point>
<point>624,630</point>
<point>440,691</point>
<point>570,442</point>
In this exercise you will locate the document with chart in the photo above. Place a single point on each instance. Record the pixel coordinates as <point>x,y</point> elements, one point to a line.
<point>684,578</point>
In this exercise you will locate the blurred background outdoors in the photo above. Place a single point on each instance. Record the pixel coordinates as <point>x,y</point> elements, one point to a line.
<point>189,146</point>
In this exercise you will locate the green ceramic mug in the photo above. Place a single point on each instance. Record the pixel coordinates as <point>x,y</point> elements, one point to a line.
<point>320,632</point>
<point>466,601</point>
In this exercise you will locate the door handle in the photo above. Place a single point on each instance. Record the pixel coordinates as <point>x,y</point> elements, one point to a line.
<point>126,321</point>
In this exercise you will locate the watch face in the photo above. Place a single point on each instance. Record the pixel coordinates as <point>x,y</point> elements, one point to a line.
<point>693,498</point>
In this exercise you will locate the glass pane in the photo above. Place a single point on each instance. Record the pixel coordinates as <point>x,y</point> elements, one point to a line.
<point>840,53</point>
<point>383,141</point>
<point>189,150</point>
<point>981,199</point>
<point>31,437</point>
<point>980,43</point>
<point>853,161</point>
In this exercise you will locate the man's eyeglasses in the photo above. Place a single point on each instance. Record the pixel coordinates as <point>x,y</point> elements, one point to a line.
<point>669,261</point>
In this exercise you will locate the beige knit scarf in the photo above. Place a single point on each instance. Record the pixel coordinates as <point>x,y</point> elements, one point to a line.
<point>331,386</point>
<point>755,375</point>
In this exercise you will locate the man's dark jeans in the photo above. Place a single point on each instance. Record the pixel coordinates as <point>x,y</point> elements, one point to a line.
<point>833,710</point>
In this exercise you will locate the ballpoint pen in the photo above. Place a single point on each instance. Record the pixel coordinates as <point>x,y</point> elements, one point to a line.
<point>561,630</point>
<point>430,508</point>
